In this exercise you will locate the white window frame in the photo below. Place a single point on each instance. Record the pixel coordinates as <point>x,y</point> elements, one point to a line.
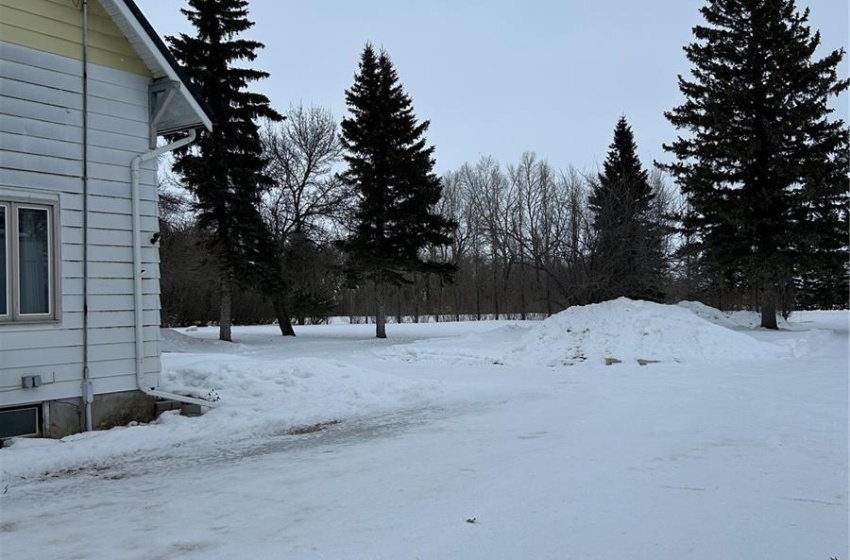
<point>12,205</point>
<point>7,255</point>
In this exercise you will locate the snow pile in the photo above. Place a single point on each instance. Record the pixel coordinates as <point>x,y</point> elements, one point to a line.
<point>633,331</point>
<point>270,394</point>
<point>618,331</point>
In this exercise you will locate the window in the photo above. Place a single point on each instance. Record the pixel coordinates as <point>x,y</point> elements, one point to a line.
<point>28,261</point>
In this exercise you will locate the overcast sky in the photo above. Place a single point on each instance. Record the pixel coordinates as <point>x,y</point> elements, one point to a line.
<point>496,77</point>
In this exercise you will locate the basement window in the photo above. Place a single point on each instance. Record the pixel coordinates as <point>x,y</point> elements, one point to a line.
<point>28,261</point>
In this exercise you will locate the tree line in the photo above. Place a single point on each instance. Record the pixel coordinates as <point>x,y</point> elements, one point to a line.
<point>297,218</point>
<point>528,239</point>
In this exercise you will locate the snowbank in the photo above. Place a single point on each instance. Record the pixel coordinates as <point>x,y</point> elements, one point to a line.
<point>280,393</point>
<point>618,331</point>
<point>256,398</point>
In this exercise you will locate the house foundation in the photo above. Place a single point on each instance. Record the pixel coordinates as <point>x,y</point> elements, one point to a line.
<point>66,416</point>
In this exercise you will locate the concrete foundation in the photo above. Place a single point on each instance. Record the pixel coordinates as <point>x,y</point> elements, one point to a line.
<point>67,416</point>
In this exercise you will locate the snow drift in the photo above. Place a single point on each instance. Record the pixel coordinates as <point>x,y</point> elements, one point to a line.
<point>733,320</point>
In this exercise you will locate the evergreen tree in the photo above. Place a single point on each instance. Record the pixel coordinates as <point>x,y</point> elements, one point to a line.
<point>764,169</point>
<point>224,168</point>
<point>628,257</point>
<point>391,168</point>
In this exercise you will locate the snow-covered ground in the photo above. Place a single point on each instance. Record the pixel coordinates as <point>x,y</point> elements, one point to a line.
<point>703,439</point>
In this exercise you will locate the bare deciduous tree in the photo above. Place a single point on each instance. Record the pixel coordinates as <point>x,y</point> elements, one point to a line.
<point>304,207</point>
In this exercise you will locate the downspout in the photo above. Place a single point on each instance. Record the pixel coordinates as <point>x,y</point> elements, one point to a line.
<point>137,270</point>
<point>88,386</point>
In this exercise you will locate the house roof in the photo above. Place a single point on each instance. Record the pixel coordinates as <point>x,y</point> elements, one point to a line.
<point>188,108</point>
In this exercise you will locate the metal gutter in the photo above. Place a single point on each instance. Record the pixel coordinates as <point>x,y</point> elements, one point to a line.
<point>138,308</point>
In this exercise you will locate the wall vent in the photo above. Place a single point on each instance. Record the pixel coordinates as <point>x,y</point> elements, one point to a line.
<point>20,421</point>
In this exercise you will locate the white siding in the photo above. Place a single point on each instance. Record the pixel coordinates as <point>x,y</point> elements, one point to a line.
<point>40,150</point>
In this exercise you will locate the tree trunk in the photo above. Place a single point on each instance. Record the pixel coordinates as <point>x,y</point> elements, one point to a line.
<point>225,313</point>
<point>416,303</point>
<point>380,311</point>
<point>496,293</point>
<point>283,319</point>
<point>768,309</point>
<point>522,314</point>
<point>439,302</point>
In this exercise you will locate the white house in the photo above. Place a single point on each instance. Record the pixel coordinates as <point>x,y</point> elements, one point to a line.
<point>86,89</point>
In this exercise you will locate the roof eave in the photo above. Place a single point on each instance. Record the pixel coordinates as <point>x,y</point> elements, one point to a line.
<point>153,51</point>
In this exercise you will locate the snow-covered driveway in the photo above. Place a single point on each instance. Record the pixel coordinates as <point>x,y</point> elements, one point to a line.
<point>743,458</point>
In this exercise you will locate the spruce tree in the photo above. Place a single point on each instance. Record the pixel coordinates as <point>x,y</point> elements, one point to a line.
<point>627,257</point>
<point>763,166</point>
<point>224,168</point>
<point>391,168</point>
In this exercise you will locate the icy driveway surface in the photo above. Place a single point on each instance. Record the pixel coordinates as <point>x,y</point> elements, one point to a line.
<point>725,459</point>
